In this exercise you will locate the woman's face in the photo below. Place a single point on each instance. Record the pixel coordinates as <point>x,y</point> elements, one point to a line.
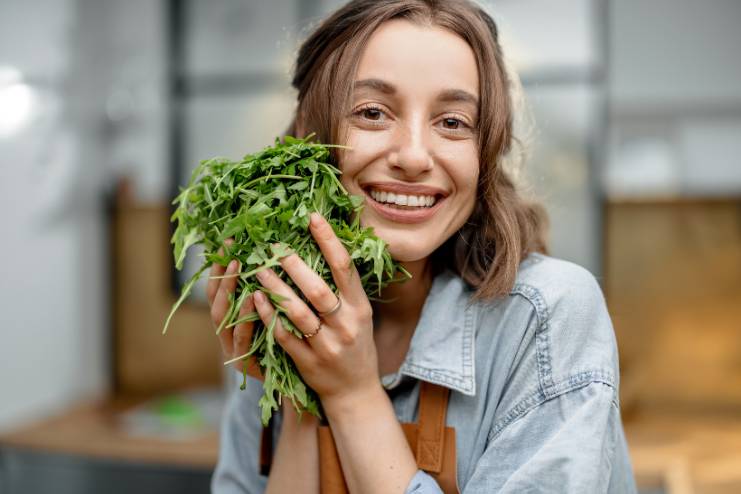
<point>412,130</point>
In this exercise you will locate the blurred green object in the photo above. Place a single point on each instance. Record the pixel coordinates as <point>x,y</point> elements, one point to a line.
<point>178,412</point>
<point>179,416</point>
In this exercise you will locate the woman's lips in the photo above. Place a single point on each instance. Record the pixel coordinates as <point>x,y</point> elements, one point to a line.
<point>404,215</point>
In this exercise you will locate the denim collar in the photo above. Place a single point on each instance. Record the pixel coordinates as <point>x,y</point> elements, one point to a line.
<point>442,347</point>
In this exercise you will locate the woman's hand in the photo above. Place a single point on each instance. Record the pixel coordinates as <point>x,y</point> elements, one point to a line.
<point>234,341</point>
<point>339,362</point>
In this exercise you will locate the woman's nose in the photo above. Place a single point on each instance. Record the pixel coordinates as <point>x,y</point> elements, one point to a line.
<point>413,154</point>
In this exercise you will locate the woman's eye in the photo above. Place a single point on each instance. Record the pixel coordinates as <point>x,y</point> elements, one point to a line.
<point>452,123</point>
<point>371,113</point>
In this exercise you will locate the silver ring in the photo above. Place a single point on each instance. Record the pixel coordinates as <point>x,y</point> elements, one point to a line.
<point>333,309</point>
<point>318,328</point>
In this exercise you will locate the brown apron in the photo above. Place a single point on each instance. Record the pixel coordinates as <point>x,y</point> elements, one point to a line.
<point>432,443</point>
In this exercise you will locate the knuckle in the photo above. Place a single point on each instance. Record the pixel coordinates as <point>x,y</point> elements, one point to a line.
<point>307,319</point>
<point>344,267</point>
<point>316,293</point>
<point>331,353</point>
<point>344,261</point>
<point>347,338</point>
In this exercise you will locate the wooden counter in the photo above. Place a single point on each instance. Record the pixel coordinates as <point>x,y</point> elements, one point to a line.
<point>93,430</point>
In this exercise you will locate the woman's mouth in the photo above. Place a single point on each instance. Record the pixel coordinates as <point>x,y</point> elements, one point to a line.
<point>403,208</point>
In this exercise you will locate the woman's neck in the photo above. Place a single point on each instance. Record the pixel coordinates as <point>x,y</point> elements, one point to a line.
<point>405,299</point>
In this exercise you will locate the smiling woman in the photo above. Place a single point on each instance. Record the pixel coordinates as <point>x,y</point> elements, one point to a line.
<point>436,56</point>
<point>494,369</point>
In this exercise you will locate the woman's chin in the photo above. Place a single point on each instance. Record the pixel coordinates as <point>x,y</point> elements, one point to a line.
<point>401,253</point>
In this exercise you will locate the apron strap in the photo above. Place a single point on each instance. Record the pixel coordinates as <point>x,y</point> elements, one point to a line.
<point>433,406</point>
<point>266,448</point>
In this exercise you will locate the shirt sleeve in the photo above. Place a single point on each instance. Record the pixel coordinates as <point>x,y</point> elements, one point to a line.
<point>237,470</point>
<point>423,483</point>
<point>565,444</point>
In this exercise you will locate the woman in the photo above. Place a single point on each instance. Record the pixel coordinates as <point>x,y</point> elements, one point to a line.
<point>524,343</point>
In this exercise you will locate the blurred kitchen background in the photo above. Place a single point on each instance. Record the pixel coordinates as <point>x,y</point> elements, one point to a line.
<point>106,106</point>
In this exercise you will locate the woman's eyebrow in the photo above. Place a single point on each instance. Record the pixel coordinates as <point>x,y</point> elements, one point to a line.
<point>458,95</point>
<point>376,84</point>
<point>447,95</point>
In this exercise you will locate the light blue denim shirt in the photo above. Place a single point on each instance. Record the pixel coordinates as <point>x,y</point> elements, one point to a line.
<point>534,389</point>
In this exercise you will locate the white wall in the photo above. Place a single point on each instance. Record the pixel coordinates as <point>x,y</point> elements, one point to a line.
<point>96,69</point>
<point>52,307</point>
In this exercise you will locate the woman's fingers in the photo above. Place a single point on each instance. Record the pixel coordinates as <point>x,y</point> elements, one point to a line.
<point>309,282</point>
<point>298,312</point>
<point>220,305</point>
<point>242,339</point>
<point>234,342</point>
<point>217,270</point>
<point>298,349</point>
<point>344,273</point>
<point>243,331</point>
<point>213,283</point>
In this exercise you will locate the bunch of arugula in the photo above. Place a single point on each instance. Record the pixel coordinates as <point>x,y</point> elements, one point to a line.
<point>263,203</point>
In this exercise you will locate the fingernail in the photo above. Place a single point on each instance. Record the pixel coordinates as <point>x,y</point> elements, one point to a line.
<point>315,219</point>
<point>232,266</point>
<point>261,275</point>
<point>259,297</point>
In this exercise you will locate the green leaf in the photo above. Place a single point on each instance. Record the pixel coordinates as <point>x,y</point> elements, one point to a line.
<point>181,248</point>
<point>183,295</point>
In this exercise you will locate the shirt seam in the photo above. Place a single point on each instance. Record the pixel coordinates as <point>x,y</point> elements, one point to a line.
<point>537,398</point>
<point>542,335</point>
<point>437,376</point>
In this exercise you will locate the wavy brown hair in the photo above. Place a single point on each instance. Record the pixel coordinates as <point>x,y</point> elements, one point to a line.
<point>503,228</point>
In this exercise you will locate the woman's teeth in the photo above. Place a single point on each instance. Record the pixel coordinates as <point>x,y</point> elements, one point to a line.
<point>402,199</point>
